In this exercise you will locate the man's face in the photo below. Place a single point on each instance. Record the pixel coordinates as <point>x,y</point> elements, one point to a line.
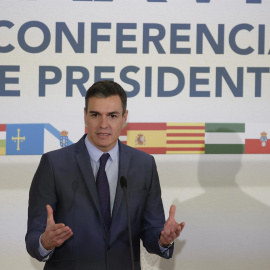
<point>104,119</point>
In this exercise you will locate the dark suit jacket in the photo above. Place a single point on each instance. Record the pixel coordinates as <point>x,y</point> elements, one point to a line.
<point>64,179</point>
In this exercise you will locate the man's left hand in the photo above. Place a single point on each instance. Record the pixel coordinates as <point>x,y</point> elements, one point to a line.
<point>171,229</point>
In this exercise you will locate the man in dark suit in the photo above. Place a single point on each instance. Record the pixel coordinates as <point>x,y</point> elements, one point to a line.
<point>69,225</point>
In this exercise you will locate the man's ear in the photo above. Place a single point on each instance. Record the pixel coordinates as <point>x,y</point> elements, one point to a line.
<point>85,116</point>
<point>125,119</point>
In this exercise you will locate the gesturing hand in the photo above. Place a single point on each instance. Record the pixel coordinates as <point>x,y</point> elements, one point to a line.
<point>55,234</point>
<point>171,229</point>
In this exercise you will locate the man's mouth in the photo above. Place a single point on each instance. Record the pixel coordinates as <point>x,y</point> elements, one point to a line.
<point>103,134</point>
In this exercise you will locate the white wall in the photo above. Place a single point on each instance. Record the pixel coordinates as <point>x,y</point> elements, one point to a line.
<point>224,200</point>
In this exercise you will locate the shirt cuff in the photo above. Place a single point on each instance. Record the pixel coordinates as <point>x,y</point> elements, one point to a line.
<point>165,250</point>
<point>43,251</point>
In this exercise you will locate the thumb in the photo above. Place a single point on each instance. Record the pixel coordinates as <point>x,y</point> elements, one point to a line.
<point>50,219</point>
<point>172,211</point>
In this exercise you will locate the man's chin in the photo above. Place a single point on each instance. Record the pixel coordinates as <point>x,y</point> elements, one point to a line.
<point>105,145</point>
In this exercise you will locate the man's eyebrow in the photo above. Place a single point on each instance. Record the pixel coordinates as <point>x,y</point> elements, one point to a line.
<point>93,112</point>
<point>113,112</point>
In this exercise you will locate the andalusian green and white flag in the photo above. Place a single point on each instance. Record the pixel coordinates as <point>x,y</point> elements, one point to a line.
<point>224,138</point>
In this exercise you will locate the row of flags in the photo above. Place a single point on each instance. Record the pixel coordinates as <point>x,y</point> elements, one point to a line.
<point>153,138</point>
<point>198,138</point>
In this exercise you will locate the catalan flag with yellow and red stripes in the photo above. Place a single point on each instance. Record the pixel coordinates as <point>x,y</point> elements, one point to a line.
<point>185,138</point>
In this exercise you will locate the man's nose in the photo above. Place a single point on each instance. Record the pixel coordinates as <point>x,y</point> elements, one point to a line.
<point>103,122</point>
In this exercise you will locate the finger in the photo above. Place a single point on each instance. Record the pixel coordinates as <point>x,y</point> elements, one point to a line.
<point>58,229</point>
<point>172,211</point>
<point>66,236</point>
<point>50,219</point>
<point>173,231</point>
<point>182,225</point>
<point>179,228</point>
<point>61,234</point>
<point>61,240</point>
<point>54,237</point>
<point>168,233</point>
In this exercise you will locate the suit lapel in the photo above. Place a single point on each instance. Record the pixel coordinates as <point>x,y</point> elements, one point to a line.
<point>124,160</point>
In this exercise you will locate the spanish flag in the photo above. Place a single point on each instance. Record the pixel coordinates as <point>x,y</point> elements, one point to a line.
<point>148,137</point>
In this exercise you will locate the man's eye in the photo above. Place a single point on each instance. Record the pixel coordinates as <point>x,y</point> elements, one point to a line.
<point>113,116</point>
<point>94,115</point>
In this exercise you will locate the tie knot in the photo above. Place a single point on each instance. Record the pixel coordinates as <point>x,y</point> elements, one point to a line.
<point>103,159</point>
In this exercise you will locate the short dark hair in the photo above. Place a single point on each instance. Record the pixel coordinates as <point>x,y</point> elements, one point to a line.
<point>103,89</point>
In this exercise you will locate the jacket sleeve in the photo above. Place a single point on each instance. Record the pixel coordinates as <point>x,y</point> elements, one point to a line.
<point>42,192</point>
<point>154,218</point>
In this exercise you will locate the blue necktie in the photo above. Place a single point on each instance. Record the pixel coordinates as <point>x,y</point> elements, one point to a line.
<point>104,190</point>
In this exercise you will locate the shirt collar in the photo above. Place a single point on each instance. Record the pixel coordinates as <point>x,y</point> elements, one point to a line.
<point>95,153</point>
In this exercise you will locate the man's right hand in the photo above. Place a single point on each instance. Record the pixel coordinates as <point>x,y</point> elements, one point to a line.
<point>55,234</point>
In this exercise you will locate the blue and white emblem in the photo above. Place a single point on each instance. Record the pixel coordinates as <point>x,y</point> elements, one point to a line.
<point>63,138</point>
